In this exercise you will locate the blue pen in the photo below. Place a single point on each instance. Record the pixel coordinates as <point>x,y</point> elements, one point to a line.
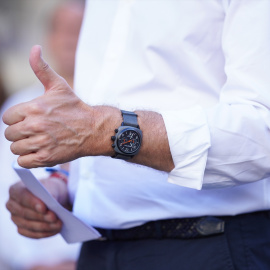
<point>53,170</point>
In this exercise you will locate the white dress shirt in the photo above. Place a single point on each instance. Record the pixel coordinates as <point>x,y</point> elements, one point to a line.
<point>204,65</point>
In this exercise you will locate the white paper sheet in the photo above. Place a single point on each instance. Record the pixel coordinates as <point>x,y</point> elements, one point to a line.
<point>73,230</point>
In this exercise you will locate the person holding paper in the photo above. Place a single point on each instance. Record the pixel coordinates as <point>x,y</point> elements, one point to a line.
<point>190,84</point>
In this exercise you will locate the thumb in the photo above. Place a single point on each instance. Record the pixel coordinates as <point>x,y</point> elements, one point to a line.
<point>47,76</point>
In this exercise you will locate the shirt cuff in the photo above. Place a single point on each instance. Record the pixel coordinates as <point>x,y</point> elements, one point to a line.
<point>189,141</point>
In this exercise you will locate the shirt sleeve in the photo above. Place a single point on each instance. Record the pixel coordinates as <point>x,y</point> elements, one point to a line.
<point>229,144</point>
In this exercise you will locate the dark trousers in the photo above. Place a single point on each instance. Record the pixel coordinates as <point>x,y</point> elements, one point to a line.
<point>245,244</point>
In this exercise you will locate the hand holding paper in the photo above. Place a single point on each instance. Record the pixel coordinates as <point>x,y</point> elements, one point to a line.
<point>73,229</point>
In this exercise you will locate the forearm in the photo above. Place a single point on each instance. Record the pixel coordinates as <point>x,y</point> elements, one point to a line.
<point>59,127</point>
<point>154,152</point>
<point>58,189</point>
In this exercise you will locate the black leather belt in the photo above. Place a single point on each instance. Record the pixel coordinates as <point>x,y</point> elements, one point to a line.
<point>182,228</point>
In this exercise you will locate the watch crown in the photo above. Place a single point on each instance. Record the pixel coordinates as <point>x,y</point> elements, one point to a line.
<point>113,145</point>
<point>113,138</point>
<point>116,130</point>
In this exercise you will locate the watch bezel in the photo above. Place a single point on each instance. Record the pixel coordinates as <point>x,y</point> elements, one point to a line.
<point>121,130</point>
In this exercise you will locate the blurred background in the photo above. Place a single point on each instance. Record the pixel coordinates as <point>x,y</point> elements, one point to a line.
<point>22,24</point>
<point>55,25</point>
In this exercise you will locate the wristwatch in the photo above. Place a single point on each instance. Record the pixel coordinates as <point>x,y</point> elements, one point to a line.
<point>128,137</point>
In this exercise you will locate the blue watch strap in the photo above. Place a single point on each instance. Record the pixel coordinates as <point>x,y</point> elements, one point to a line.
<point>129,119</point>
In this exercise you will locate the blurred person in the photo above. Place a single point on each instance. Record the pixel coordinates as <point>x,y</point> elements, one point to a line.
<point>63,36</point>
<point>16,251</point>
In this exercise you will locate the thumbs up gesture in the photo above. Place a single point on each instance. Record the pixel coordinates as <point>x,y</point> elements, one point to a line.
<point>54,128</point>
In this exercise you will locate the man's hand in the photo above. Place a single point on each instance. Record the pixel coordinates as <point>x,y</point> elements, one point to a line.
<point>30,214</point>
<point>59,127</point>
<point>50,129</point>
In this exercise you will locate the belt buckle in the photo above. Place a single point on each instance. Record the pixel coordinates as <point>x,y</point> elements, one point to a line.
<point>210,225</point>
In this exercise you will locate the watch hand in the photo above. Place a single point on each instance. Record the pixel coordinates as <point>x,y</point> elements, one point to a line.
<point>127,142</point>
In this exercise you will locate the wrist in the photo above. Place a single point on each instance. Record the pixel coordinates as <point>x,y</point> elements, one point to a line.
<point>128,137</point>
<point>58,190</point>
<point>60,174</point>
<point>105,120</point>
<point>155,150</point>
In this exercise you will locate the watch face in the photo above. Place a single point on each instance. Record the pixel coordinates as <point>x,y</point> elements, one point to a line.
<point>129,141</point>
